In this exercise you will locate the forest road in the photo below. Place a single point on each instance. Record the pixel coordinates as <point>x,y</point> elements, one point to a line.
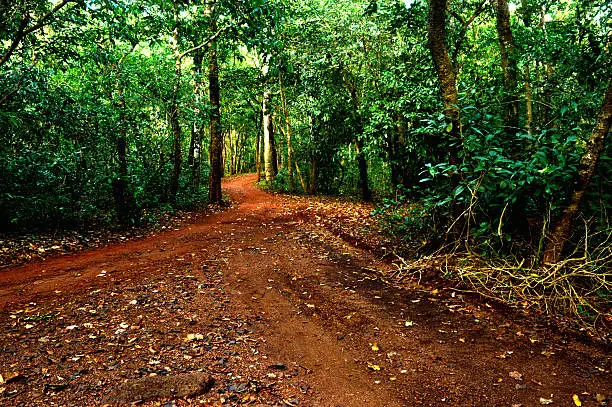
<point>285,314</point>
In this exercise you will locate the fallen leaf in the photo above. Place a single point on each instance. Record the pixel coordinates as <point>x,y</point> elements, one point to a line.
<point>515,375</point>
<point>373,367</point>
<point>11,377</point>
<point>375,347</point>
<point>577,400</point>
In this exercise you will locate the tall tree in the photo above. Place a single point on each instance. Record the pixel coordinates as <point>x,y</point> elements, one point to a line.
<point>587,167</point>
<point>509,68</point>
<point>287,131</point>
<point>450,96</point>
<point>444,68</point>
<point>216,134</point>
<point>195,146</point>
<point>174,107</point>
<point>270,159</point>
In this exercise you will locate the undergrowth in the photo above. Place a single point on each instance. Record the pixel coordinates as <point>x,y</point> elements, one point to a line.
<point>576,291</point>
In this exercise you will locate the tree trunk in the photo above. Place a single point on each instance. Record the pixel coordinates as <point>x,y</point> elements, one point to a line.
<point>586,169</point>
<point>527,75</point>
<point>195,146</point>
<point>528,99</point>
<point>258,156</point>
<point>442,64</point>
<point>548,72</point>
<point>362,164</point>
<point>120,184</point>
<point>313,175</point>
<point>509,68</point>
<point>176,151</point>
<point>270,159</point>
<point>174,113</point>
<point>312,187</point>
<point>300,177</point>
<point>450,98</point>
<point>399,157</point>
<point>216,134</point>
<point>358,143</point>
<point>288,135</point>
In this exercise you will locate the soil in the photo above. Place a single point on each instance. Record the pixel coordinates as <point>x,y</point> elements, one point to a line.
<point>263,305</point>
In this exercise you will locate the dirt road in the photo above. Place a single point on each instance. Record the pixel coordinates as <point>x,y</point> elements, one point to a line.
<point>279,312</point>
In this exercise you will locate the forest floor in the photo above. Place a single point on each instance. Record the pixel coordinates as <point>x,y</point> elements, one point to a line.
<point>263,304</point>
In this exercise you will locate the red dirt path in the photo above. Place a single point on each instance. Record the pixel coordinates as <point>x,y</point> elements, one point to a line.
<point>266,287</point>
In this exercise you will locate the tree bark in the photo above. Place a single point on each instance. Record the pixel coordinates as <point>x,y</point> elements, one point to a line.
<point>442,63</point>
<point>270,159</point>
<point>362,164</point>
<point>257,156</point>
<point>125,204</point>
<point>509,68</point>
<point>120,184</point>
<point>313,175</point>
<point>528,98</point>
<point>216,135</point>
<point>287,135</point>
<point>195,147</point>
<point>300,177</point>
<point>548,73</point>
<point>586,169</point>
<point>312,190</point>
<point>450,97</point>
<point>527,75</point>
<point>174,113</point>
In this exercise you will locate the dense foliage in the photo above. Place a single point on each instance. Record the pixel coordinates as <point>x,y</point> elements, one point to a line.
<point>104,111</point>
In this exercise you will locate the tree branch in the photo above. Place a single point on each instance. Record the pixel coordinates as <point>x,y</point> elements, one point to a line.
<point>205,43</point>
<point>465,24</point>
<point>41,22</point>
<point>23,31</point>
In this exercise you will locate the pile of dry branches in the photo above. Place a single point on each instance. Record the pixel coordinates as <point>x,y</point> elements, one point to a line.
<point>578,289</point>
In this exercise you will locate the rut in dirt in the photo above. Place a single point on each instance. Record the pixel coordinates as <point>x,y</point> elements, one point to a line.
<point>276,310</point>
